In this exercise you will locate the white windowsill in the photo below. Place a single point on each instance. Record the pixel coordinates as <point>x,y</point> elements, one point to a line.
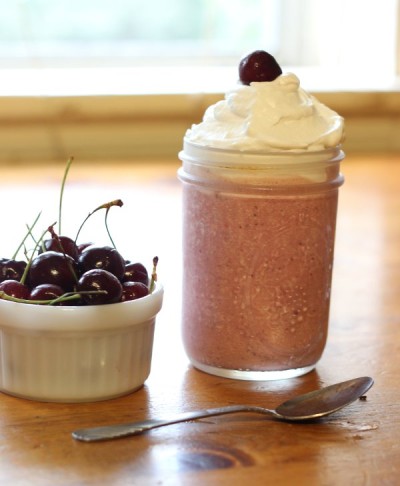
<point>132,113</point>
<point>58,82</point>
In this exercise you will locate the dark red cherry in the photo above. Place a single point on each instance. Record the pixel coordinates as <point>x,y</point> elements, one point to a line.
<point>11,269</point>
<point>99,279</point>
<point>133,291</point>
<point>46,292</point>
<point>136,272</point>
<point>62,244</point>
<point>52,267</point>
<point>83,246</point>
<point>13,288</point>
<point>104,258</point>
<point>258,66</point>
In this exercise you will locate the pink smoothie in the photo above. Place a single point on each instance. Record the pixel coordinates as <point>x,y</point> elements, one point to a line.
<point>257,277</point>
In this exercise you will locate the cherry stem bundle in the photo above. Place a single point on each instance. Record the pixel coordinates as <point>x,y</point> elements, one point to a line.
<point>29,232</point>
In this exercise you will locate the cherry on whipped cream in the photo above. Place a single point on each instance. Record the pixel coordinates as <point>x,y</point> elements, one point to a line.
<point>258,66</point>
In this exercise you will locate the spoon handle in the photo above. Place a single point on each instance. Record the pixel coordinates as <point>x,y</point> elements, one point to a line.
<point>135,428</point>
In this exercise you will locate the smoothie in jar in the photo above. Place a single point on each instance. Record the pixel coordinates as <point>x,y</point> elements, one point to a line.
<point>260,185</point>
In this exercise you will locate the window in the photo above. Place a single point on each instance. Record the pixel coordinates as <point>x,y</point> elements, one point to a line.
<point>349,39</point>
<point>74,72</point>
<point>126,32</point>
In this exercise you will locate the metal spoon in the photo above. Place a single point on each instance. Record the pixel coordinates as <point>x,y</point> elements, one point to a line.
<point>310,406</point>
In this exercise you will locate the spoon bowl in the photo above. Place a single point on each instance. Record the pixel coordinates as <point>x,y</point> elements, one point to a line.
<point>325,401</point>
<point>310,406</point>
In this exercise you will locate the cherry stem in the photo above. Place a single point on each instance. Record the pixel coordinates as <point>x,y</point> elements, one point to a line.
<point>106,206</point>
<point>75,295</point>
<point>108,231</point>
<point>69,163</point>
<point>63,298</point>
<point>153,275</point>
<point>29,232</point>
<point>30,228</point>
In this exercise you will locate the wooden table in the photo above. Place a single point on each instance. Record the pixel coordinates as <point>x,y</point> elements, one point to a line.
<point>359,445</point>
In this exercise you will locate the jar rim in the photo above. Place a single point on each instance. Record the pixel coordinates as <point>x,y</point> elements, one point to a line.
<point>207,155</point>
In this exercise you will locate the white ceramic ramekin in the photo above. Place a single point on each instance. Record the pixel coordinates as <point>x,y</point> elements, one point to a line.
<point>76,354</point>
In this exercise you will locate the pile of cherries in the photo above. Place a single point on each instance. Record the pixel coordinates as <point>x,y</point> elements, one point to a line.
<point>61,272</point>
<point>66,273</point>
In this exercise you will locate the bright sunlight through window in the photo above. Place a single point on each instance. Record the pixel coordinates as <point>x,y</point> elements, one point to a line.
<point>339,36</point>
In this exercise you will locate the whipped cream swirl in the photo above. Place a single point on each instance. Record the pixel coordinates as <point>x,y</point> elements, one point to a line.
<point>269,116</point>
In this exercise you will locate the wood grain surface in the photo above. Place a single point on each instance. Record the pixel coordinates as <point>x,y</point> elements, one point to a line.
<point>356,446</point>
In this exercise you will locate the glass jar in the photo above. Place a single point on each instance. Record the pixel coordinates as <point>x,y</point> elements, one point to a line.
<point>258,244</point>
